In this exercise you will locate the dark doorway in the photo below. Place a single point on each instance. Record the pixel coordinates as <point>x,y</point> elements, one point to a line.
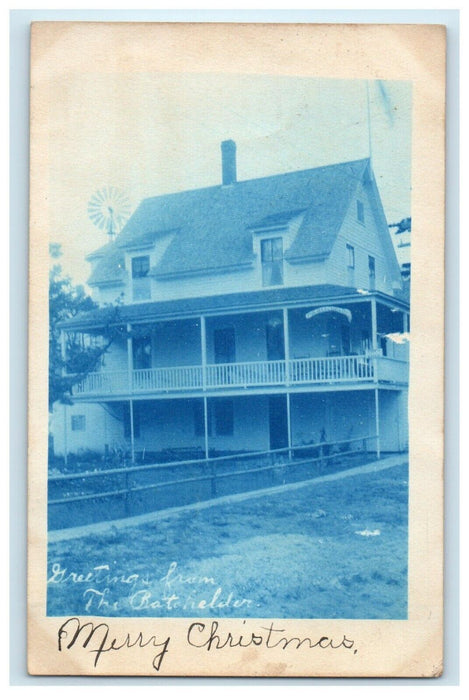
<point>275,341</point>
<point>345,333</point>
<point>278,424</point>
<point>141,350</point>
<point>224,345</point>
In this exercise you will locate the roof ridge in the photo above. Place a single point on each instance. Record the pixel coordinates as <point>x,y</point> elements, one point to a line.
<point>257,179</point>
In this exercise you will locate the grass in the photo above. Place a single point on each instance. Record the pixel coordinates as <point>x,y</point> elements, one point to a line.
<point>328,550</point>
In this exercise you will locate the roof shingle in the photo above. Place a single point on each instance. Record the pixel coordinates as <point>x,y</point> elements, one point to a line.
<point>213,224</point>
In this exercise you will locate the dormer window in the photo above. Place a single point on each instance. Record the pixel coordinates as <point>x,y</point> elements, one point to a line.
<point>272,261</point>
<point>140,280</point>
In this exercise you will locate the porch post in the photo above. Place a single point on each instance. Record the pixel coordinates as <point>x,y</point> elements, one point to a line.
<point>206,426</point>
<point>203,348</point>
<point>374,338</point>
<point>374,326</point>
<point>405,322</point>
<point>286,341</point>
<point>131,404</point>
<point>378,438</point>
<point>132,437</point>
<point>289,426</point>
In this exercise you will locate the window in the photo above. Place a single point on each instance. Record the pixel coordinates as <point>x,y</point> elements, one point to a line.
<point>272,261</point>
<point>350,256</point>
<point>360,212</point>
<point>136,413</point>
<point>140,279</point>
<point>371,268</point>
<point>78,422</point>
<point>223,409</point>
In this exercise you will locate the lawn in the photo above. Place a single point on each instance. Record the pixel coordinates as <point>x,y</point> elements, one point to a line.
<point>326,550</point>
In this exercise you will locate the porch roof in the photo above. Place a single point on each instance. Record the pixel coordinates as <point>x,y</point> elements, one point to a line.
<point>236,302</point>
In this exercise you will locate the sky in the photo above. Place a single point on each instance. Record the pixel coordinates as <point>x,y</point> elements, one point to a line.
<point>151,134</point>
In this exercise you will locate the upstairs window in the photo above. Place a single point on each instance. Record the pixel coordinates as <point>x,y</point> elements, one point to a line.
<point>350,257</point>
<point>140,279</point>
<point>272,262</point>
<point>360,212</point>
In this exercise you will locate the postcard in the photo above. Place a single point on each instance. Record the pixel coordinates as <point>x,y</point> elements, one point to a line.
<point>236,350</point>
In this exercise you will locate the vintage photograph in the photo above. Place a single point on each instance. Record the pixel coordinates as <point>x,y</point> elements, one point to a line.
<point>225,445</point>
<point>228,364</point>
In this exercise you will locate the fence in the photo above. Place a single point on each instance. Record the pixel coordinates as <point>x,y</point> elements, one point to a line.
<point>79,498</point>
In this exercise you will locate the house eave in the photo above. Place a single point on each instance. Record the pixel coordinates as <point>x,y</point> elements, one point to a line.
<point>210,307</point>
<point>106,283</point>
<point>299,260</point>
<point>227,269</point>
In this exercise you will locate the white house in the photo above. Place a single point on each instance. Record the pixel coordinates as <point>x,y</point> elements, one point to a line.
<point>255,315</point>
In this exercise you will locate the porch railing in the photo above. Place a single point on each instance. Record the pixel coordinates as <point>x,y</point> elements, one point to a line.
<point>244,374</point>
<point>166,379</point>
<point>326,369</point>
<point>392,370</point>
<point>317,370</point>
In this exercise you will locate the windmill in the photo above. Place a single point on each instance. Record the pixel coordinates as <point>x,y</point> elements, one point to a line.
<point>109,209</point>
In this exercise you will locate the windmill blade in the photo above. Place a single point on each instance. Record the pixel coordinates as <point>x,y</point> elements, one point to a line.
<point>109,209</point>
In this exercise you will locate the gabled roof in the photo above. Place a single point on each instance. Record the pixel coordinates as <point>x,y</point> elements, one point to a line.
<point>100,252</point>
<point>110,269</point>
<point>214,224</point>
<point>144,239</point>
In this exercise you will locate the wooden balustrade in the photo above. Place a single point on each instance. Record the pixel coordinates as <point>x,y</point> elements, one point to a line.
<point>314,370</point>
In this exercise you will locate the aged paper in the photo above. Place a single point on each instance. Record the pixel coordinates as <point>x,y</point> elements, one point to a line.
<point>225,463</point>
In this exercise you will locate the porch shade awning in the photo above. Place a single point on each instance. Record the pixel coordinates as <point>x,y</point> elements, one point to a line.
<point>330,310</point>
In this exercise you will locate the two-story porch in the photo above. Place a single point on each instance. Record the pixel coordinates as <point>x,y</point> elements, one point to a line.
<point>280,359</point>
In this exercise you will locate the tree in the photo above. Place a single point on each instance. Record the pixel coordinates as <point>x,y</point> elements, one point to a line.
<point>66,301</point>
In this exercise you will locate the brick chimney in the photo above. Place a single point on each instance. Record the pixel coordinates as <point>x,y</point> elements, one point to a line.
<point>228,162</point>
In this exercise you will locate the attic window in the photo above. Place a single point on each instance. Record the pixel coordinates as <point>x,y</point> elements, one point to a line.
<point>360,211</point>
<point>140,280</point>
<point>272,261</point>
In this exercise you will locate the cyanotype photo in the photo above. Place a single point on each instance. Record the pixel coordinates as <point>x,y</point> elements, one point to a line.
<point>230,279</point>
